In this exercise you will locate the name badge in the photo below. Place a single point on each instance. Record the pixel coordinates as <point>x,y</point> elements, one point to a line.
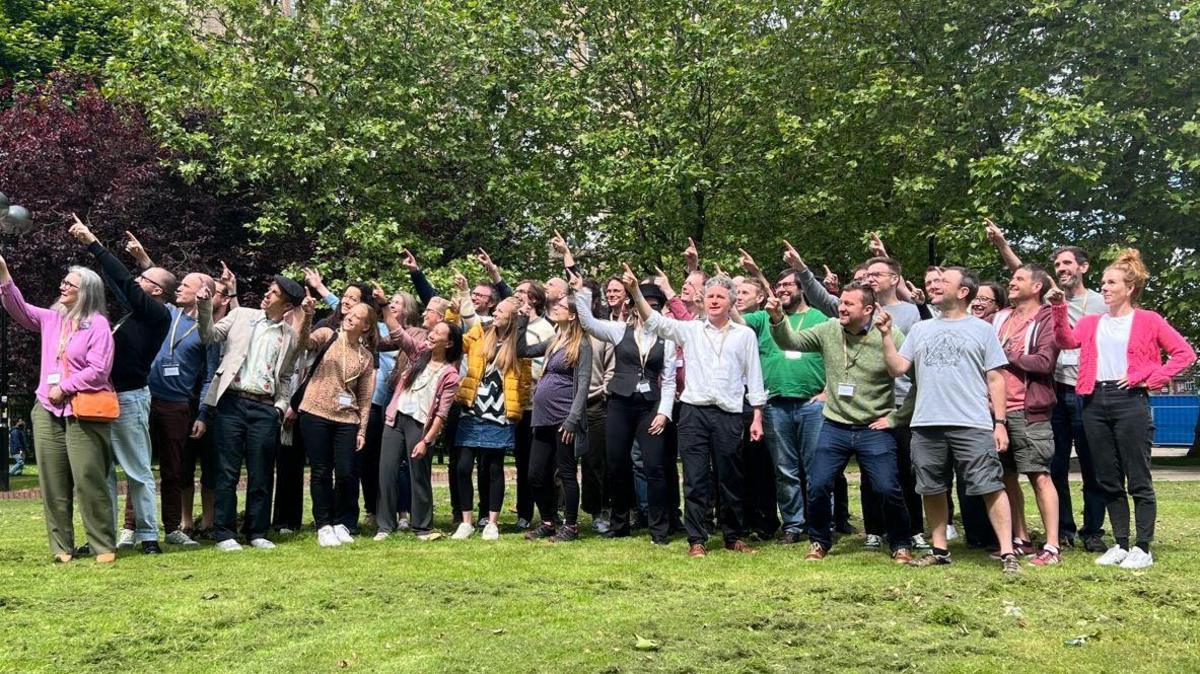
<point>53,378</point>
<point>793,355</point>
<point>845,390</point>
<point>170,369</point>
<point>643,386</point>
<point>344,399</point>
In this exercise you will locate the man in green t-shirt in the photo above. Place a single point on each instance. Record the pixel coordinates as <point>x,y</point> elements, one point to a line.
<point>795,383</point>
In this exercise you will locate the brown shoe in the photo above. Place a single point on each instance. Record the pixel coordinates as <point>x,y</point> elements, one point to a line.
<point>902,556</point>
<point>697,550</point>
<point>740,546</point>
<point>816,552</point>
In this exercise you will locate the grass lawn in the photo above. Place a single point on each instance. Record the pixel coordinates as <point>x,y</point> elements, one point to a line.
<point>516,606</point>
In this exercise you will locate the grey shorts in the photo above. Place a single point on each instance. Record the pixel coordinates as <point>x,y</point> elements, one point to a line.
<point>937,450</point>
<point>1030,446</point>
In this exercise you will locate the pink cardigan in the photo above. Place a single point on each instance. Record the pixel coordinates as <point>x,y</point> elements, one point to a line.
<point>89,352</point>
<point>1148,337</point>
<point>444,393</point>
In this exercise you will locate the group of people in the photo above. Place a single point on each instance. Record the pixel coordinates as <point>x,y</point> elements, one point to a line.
<point>762,391</point>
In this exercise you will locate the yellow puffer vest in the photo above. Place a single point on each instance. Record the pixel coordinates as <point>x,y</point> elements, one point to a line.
<point>517,383</point>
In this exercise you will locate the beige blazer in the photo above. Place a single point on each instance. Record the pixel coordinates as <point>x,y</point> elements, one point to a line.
<point>235,331</point>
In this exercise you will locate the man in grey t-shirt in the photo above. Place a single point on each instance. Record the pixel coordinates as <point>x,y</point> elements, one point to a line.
<point>1070,265</point>
<point>956,360</point>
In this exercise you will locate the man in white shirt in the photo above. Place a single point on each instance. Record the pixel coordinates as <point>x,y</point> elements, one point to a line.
<point>722,368</point>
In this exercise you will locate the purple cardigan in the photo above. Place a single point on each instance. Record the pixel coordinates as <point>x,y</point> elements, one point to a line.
<point>89,352</point>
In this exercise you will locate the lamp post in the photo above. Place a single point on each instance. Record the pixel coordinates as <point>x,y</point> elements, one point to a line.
<point>15,222</point>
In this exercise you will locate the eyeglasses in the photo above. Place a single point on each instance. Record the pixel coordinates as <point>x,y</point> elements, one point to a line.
<point>150,280</point>
<point>984,300</point>
<point>786,284</point>
<point>479,295</point>
<point>880,274</point>
<point>67,284</point>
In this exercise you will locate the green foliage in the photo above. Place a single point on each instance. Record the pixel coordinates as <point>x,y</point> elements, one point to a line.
<point>38,36</point>
<point>633,125</point>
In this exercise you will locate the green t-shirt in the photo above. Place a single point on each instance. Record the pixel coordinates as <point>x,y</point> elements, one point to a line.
<point>791,374</point>
<point>849,359</point>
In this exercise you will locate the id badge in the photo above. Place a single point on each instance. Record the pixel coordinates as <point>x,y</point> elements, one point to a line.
<point>845,390</point>
<point>793,355</point>
<point>344,399</point>
<point>53,378</point>
<point>643,386</point>
<point>170,369</point>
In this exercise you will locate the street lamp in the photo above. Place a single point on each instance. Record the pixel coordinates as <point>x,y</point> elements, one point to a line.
<point>15,222</point>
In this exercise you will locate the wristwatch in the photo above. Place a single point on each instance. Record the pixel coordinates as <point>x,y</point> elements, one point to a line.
<point>1002,422</point>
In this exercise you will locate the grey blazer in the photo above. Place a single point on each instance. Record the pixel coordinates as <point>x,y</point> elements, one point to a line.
<point>235,330</point>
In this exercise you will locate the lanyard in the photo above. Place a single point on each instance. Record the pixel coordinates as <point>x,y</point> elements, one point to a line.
<point>847,361</point>
<point>644,354</point>
<point>174,327</point>
<point>121,322</point>
<point>1011,328</point>
<point>724,334</point>
<point>345,348</point>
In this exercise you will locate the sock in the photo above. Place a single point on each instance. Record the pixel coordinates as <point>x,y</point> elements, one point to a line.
<point>941,552</point>
<point>1123,542</point>
<point>1144,545</point>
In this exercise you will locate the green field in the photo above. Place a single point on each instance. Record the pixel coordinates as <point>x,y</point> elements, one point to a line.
<point>402,605</point>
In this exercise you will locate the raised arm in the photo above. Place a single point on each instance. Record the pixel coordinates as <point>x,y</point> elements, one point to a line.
<point>1064,334</point>
<point>609,331</point>
<point>788,338</point>
<point>996,236</point>
<point>137,251</point>
<point>814,293</point>
<point>142,305</point>
<point>210,333</point>
<point>897,364</point>
<point>26,315</point>
<point>425,290</point>
<point>524,349</point>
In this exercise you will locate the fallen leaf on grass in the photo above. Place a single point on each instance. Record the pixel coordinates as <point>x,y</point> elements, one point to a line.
<point>498,631</point>
<point>208,596</point>
<point>644,644</point>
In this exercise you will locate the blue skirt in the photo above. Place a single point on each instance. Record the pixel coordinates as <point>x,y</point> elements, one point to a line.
<point>476,432</point>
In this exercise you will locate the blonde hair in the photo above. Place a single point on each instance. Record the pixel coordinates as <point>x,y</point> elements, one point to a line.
<point>569,338</point>
<point>1129,262</point>
<point>502,348</point>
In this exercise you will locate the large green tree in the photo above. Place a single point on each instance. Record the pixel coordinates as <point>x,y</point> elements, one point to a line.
<point>39,36</point>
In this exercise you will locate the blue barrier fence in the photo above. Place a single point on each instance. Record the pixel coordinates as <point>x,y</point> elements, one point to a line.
<point>1174,419</point>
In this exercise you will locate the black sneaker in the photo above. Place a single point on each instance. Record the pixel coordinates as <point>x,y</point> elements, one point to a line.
<point>151,548</point>
<point>931,560</point>
<point>566,533</point>
<point>541,532</point>
<point>1095,543</point>
<point>616,533</point>
<point>662,542</point>
<point>846,529</point>
<point>791,538</point>
<point>640,522</point>
<point>84,550</point>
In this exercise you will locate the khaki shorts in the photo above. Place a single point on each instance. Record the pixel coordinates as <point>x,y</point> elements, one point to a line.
<point>1030,446</point>
<point>938,450</point>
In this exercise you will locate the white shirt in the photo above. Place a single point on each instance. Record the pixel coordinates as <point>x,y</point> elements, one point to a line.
<point>614,331</point>
<point>1112,347</point>
<point>722,365</point>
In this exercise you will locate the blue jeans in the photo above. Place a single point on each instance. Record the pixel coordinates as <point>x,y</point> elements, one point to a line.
<point>1067,422</point>
<point>793,428</point>
<point>876,452</point>
<point>131,445</point>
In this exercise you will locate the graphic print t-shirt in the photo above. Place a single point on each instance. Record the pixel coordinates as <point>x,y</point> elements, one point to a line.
<point>951,359</point>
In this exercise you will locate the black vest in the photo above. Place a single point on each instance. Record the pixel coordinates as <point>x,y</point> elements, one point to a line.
<point>627,370</point>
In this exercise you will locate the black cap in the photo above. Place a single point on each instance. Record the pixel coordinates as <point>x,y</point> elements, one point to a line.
<point>294,292</point>
<point>651,291</point>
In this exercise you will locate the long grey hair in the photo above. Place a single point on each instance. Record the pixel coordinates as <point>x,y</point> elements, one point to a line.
<point>91,297</point>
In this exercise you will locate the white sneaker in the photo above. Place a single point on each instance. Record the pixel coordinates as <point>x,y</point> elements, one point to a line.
<point>177,537</point>
<point>491,532</point>
<point>403,525</point>
<point>342,533</point>
<point>287,532</point>
<point>326,538</point>
<point>262,544</point>
<point>1113,557</point>
<point>126,539</point>
<point>951,532</point>
<point>1137,559</point>
<point>919,542</point>
<point>228,545</point>
<point>381,536</point>
<point>463,532</point>
<point>874,542</point>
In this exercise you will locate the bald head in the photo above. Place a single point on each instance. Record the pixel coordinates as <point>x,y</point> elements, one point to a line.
<point>185,294</point>
<point>555,288</point>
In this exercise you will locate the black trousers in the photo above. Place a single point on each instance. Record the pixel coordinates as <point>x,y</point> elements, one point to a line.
<point>289,484</point>
<point>451,429</point>
<point>709,440</point>
<point>629,419</point>
<point>550,456</point>
<point>874,517</point>
<point>524,440</point>
<point>762,515</point>
<point>331,446</point>
<point>593,480</point>
<point>366,463</point>
<point>1120,431</point>
<point>491,476</point>
<point>245,432</point>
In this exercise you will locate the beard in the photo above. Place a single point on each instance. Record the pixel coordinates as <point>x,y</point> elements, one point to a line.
<point>1071,282</point>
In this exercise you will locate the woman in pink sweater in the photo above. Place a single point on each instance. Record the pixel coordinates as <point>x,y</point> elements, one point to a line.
<point>1119,362</point>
